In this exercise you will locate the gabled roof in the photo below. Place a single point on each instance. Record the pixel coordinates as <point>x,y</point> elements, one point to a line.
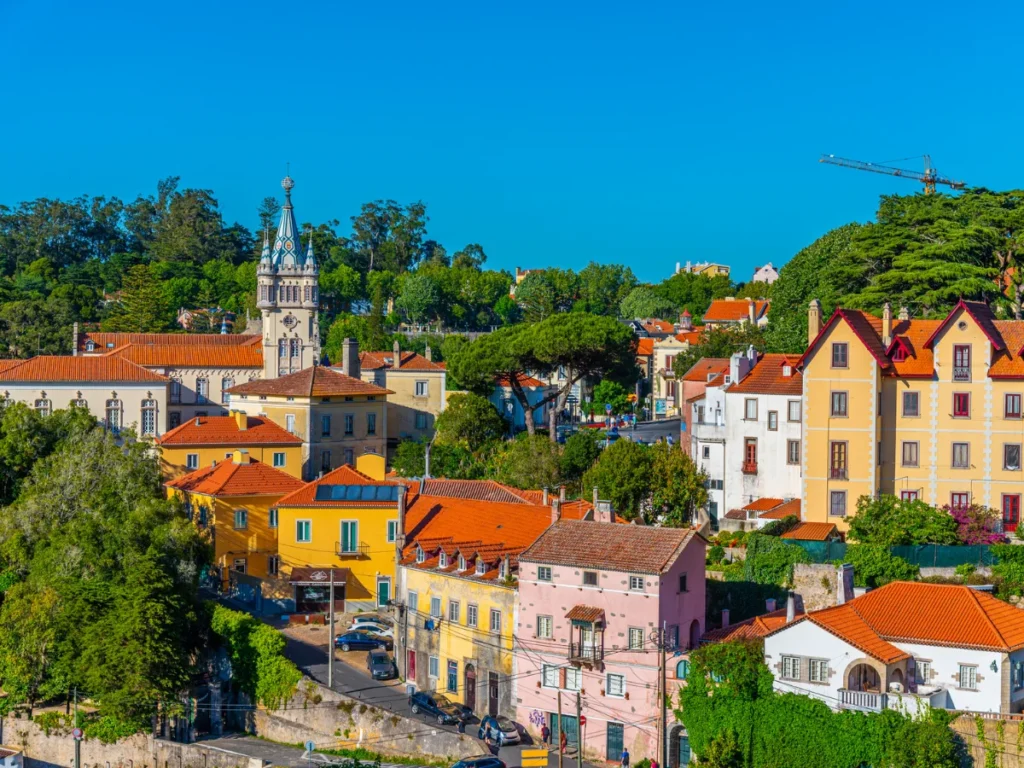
<point>700,370</point>
<point>187,356</point>
<point>408,361</point>
<point>791,507</point>
<point>811,532</point>
<point>316,381</point>
<point>751,629</point>
<point>343,475</point>
<point>645,346</point>
<point>480,490</point>
<point>767,377</point>
<point>629,548</point>
<point>227,478</point>
<point>105,341</point>
<point>657,326</point>
<point>981,314</point>
<point>763,505</point>
<point>689,337</point>
<point>223,430</point>
<point>733,310</point>
<point>866,327</point>
<point>60,368</point>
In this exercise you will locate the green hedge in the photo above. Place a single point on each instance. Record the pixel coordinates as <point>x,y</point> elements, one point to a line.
<point>256,651</point>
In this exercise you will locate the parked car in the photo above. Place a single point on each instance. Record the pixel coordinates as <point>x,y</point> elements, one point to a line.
<point>381,665</point>
<point>436,705</point>
<point>484,761</point>
<point>378,629</point>
<point>370,618</point>
<point>499,729</point>
<point>361,640</point>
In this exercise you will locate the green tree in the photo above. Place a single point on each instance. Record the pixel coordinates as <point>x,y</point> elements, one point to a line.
<point>610,393</point>
<point>471,256</point>
<point>719,342</point>
<point>580,452</point>
<point>686,290</point>
<point>623,475</point>
<point>469,420</point>
<point>547,292</point>
<point>530,462</point>
<point>141,308</point>
<point>602,287</point>
<point>645,301</point>
<point>386,235</point>
<point>506,309</point>
<point>891,522</point>
<point>340,286</point>
<point>455,462</point>
<point>677,486</point>
<point>418,297</point>
<point>874,565</point>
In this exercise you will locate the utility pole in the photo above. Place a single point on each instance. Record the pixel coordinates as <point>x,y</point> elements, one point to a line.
<point>662,684</point>
<point>330,639</point>
<point>559,728</point>
<point>76,736</point>
<point>579,731</point>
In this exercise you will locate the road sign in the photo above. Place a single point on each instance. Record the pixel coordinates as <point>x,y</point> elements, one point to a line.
<point>77,734</point>
<point>608,407</point>
<point>534,758</point>
<point>310,745</point>
<point>583,719</point>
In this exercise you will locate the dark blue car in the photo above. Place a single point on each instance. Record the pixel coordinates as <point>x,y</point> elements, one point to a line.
<point>361,640</point>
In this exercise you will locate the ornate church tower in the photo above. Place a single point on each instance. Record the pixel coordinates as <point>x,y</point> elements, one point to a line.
<point>288,298</point>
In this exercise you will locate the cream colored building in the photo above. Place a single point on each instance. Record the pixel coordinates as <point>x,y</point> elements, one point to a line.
<point>338,417</point>
<point>665,389</point>
<point>119,393</point>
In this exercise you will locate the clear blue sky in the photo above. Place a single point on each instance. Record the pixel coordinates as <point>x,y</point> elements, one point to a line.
<point>552,133</point>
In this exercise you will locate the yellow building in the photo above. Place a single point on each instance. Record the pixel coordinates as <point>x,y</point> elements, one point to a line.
<point>346,523</point>
<point>457,583</point>
<point>922,409</point>
<point>205,440</point>
<point>337,417</point>
<point>235,501</point>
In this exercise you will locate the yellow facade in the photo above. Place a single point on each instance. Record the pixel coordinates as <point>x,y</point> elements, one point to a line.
<point>465,644</point>
<point>174,460</point>
<point>416,400</point>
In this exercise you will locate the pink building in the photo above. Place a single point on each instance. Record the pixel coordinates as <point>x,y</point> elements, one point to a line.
<point>592,597</point>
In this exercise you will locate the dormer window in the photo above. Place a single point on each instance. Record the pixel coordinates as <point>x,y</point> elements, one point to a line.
<point>90,346</point>
<point>442,560</point>
<point>899,355</point>
<point>787,370</point>
<point>481,567</point>
<point>420,554</point>
<point>502,569</point>
<point>728,379</point>
<point>462,563</point>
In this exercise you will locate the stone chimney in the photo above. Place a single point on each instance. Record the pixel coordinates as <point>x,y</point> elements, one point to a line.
<point>790,608</point>
<point>544,496</point>
<point>752,311</point>
<point>428,354</point>
<point>740,364</point>
<point>397,351</point>
<point>556,511</point>
<point>241,420</point>
<point>197,421</point>
<point>769,604</point>
<point>561,494</point>
<point>844,583</point>
<point>904,314</point>
<point>595,497</point>
<point>603,512</point>
<point>240,457</point>
<point>886,324</point>
<point>350,358</point>
<point>813,320</point>
<point>74,339</point>
<point>725,618</point>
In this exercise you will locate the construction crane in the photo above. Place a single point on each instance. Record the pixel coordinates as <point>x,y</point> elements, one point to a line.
<point>929,178</point>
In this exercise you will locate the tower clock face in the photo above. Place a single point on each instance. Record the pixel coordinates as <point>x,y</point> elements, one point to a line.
<point>290,321</point>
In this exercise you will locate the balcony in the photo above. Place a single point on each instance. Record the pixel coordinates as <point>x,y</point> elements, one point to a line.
<point>961,374</point>
<point>585,653</point>
<point>913,704</point>
<point>749,467</point>
<point>838,473</point>
<point>362,549</point>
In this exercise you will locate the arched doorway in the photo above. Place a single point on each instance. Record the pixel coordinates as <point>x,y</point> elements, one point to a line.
<point>897,677</point>
<point>471,687</point>
<point>678,747</point>
<point>694,634</point>
<point>863,677</point>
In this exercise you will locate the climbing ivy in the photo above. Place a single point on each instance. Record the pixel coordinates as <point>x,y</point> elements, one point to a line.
<point>729,690</point>
<point>770,560</point>
<point>256,651</point>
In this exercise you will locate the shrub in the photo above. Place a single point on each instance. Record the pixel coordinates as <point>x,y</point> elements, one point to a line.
<point>874,565</point>
<point>779,527</point>
<point>716,554</point>
<point>770,560</point>
<point>892,522</point>
<point>976,524</point>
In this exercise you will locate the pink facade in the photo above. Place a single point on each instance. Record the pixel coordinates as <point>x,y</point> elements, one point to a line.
<point>600,641</point>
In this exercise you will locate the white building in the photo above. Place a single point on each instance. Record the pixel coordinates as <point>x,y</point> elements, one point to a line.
<point>896,648</point>
<point>766,274</point>
<point>746,431</point>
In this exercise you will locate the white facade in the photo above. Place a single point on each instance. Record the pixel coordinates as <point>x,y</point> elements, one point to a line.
<point>708,446</point>
<point>766,274</point>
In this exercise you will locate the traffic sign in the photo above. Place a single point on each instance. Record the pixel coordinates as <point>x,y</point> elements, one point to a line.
<point>608,407</point>
<point>534,758</point>
<point>583,719</point>
<point>310,745</point>
<point>77,734</point>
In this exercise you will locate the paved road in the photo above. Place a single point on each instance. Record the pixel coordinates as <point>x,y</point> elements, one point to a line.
<point>650,431</point>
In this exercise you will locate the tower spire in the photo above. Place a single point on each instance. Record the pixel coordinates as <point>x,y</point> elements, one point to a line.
<point>310,260</point>
<point>286,244</point>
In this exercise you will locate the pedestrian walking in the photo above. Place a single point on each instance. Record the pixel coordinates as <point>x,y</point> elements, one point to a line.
<point>545,734</point>
<point>563,742</point>
<point>668,438</point>
<point>625,758</point>
<point>654,763</point>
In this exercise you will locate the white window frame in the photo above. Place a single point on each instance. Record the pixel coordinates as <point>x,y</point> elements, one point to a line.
<point>971,681</point>
<point>354,548</point>
<point>635,638</point>
<point>615,686</point>
<point>279,459</point>
<point>241,516</point>
<point>548,676</point>
<point>798,406</point>
<point>309,531</point>
<point>922,671</point>
<point>545,627</point>
<point>422,388</point>
<point>573,678</point>
<point>392,533</point>
<point>791,667</point>
<point>636,583</point>
<point>454,611</point>
<point>472,614</point>
<point>413,600</point>
<point>495,624</point>
<point>191,461</point>
<point>818,670</point>
<point>433,667</point>
<point>435,607</point>
<point>750,409</point>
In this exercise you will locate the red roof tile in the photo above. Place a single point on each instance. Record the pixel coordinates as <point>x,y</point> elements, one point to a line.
<point>316,381</point>
<point>223,430</point>
<point>845,622</point>
<point>62,368</point>
<point>343,475</point>
<point>767,377</point>
<point>188,356</point>
<point>632,548</point>
<point>689,337</point>
<point>107,341</point>
<point>980,313</point>
<point>705,367</point>
<point>811,532</point>
<point>656,326</point>
<point>645,346</point>
<point>480,490</point>
<point>229,479</point>
<point>522,378</point>
<point>762,505</point>
<point>791,507</point>
<point>587,613</point>
<point>751,629</point>
<point>408,361</point>
<point>734,310</point>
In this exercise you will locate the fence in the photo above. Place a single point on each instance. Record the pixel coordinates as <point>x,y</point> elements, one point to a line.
<point>923,556</point>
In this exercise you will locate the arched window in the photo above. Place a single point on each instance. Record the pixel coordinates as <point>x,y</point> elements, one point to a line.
<point>225,384</point>
<point>90,346</point>
<point>113,415</point>
<point>79,403</point>
<point>282,347</point>
<point>682,669</point>
<point>43,407</point>
<point>148,418</point>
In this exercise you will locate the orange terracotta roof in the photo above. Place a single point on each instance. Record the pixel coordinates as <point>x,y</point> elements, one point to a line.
<point>982,315</point>
<point>8,364</point>
<point>229,479</point>
<point>751,629</point>
<point>767,377</point>
<point>522,378</point>
<point>189,356</point>
<point>55,368</point>
<point>689,337</point>
<point>791,507</point>
<point>223,430</point>
<point>107,341</point>
<point>630,548</point>
<point>584,613</point>
<point>846,623</point>
<point>811,532</point>
<point>480,490</point>
<point>343,475</point>
<point>706,366</point>
<point>762,505</point>
<point>734,310</point>
<point>316,381</point>
<point>645,346</point>
<point>408,361</point>
<point>654,325</point>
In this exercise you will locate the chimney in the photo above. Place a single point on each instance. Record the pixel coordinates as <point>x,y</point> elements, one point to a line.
<point>561,494</point>
<point>769,604</point>
<point>790,608</point>
<point>240,457</point>
<point>350,358</point>
<point>400,539</point>
<point>74,339</point>
<point>603,512</point>
<point>595,497</point>
<point>197,421</point>
<point>752,311</point>
<point>813,320</point>
<point>428,354</point>
<point>904,314</point>
<point>241,420</point>
<point>397,351</point>
<point>844,583</point>
<point>886,324</point>
<point>544,496</point>
<point>725,618</point>
<point>556,511</point>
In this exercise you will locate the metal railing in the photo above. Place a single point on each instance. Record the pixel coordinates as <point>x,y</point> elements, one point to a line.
<point>749,467</point>
<point>961,374</point>
<point>862,701</point>
<point>585,652</point>
<point>838,473</point>
<point>362,549</point>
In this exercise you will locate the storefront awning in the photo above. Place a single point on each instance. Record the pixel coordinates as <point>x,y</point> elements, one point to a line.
<point>585,614</point>
<point>318,576</point>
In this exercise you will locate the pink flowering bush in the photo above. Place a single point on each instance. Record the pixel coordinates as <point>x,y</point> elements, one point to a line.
<point>977,524</point>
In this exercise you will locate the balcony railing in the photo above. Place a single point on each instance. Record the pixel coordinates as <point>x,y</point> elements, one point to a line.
<point>749,467</point>
<point>838,473</point>
<point>362,549</point>
<point>862,701</point>
<point>585,652</point>
<point>961,374</point>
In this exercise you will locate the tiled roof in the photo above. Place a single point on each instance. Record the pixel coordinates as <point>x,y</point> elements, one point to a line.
<point>981,314</point>
<point>654,325</point>
<point>767,377</point>
<point>189,356</point>
<point>9,751</point>
<point>584,613</point>
<point>223,430</point>
<point>645,346</point>
<point>751,629</point>
<point>762,505</point>
<point>8,364</point>
<point>811,532</point>
<point>46,368</point>
<point>107,341</point>
<point>522,378</point>
<point>734,310</point>
<point>481,490</point>
<point>408,361</point>
<point>229,479</point>
<point>700,370</point>
<point>632,548</point>
<point>316,381</point>
<point>689,337</point>
<point>845,622</point>
<point>343,475</point>
<point>791,507</point>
